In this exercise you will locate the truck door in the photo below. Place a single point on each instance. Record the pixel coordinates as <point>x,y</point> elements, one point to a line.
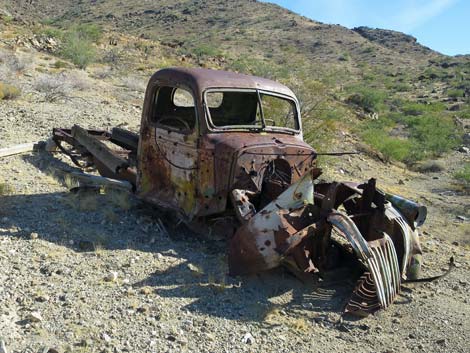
<point>168,150</point>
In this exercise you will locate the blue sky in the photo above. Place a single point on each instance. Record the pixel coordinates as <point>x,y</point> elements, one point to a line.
<point>443,25</point>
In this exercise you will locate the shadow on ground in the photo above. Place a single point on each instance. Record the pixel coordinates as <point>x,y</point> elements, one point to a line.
<point>87,221</point>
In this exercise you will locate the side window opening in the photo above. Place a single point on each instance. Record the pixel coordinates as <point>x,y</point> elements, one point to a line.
<point>174,109</point>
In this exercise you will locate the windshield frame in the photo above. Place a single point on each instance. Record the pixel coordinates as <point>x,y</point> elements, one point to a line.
<point>250,128</point>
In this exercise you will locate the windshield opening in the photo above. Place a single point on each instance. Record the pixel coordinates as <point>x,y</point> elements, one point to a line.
<point>250,109</point>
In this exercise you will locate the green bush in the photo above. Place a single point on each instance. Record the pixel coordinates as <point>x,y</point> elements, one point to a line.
<point>456,93</point>
<point>78,50</point>
<point>434,135</point>
<point>205,50</point>
<point>60,64</point>
<point>89,32</point>
<point>425,136</point>
<point>391,147</point>
<point>369,99</point>
<point>8,91</point>
<point>5,189</point>
<point>415,109</point>
<point>463,175</point>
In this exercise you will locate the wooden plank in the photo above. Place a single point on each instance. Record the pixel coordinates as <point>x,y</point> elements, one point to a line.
<point>18,149</point>
<point>95,180</point>
<point>99,150</point>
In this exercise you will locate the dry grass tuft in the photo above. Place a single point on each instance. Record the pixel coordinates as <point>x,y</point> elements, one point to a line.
<point>8,91</point>
<point>5,189</point>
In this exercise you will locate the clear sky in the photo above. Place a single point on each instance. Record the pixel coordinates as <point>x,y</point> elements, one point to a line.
<point>442,25</point>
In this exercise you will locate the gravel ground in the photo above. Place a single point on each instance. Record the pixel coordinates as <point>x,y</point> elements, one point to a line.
<point>96,273</point>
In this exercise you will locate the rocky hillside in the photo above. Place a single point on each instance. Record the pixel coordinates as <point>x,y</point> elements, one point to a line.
<point>328,63</point>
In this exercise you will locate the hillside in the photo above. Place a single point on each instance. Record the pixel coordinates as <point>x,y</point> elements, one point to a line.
<point>347,75</point>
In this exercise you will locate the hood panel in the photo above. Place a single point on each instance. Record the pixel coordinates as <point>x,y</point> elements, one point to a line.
<point>240,159</point>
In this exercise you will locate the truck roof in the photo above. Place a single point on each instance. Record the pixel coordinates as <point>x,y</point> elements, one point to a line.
<point>199,80</point>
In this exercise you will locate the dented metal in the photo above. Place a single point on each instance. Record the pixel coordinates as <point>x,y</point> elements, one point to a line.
<point>257,182</point>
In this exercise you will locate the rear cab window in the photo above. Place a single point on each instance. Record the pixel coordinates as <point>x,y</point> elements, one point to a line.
<point>174,109</point>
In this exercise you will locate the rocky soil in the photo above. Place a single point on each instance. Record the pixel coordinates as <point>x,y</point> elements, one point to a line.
<point>97,273</point>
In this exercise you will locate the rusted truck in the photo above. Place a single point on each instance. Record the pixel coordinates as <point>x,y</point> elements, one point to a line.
<point>225,152</point>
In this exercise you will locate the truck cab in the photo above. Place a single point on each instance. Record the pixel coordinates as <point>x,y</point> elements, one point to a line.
<point>205,133</point>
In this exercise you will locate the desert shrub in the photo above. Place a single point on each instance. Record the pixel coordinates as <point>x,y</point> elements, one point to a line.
<point>401,87</point>
<point>53,88</point>
<point>415,109</point>
<point>205,50</point>
<point>464,114</point>
<point>91,32</point>
<point>103,72</point>
<point>78,50</point>
<point>8,91</point>
<point>429,167</point>
<point>344,57</point>
<point>463,175</point>
<point>369,99</point>
<point>78,44</point>
<point>391,147</point>
<point>456,93</point>
<point>112,56</point>
<point>368,50</point>
<point>5,189</point>
<point>50,32</point>
<point>13,63</point>
<point>60,64</point>
<point>434,135</point>
<point>427,136</point>
<point>134,83</point>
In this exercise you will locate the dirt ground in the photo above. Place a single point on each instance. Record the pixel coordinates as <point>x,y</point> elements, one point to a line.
<point>96,273</point>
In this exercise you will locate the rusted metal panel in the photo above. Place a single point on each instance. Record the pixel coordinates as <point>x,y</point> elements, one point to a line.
<point>286,229</point>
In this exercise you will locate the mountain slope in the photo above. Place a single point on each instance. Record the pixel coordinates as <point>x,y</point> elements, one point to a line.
<point>353,73</point>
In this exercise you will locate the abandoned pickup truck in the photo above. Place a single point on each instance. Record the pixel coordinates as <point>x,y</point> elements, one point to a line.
<point>225,152</point>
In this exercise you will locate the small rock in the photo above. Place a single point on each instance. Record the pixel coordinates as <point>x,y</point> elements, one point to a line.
<point>171,338</point>
<point>3,348</point>
<point>401,182</point>
<point>464,149</point>
<point>106,337</point>
<point>145,290</point>
<point>441,341</point>
<point>461,218</point>
<point>42,298</point>
<point>466,139</point>
<point>35,317</point>
<point>248,338</point>
<point>111,277</point>
<point>143,310</point>
<point>34,235</point>
<point>195,270</point>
